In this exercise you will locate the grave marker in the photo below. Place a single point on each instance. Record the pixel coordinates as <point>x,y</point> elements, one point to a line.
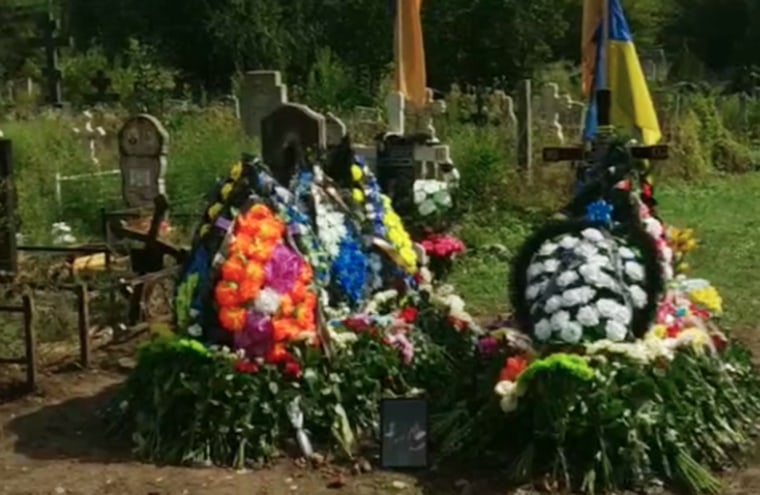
<point>51,41</point>
<point>143,147</point>
<point>261,93</point>
<point>396,171</point>
<point>287,131</point>
<point>405,426</point>
<point>335,129</point>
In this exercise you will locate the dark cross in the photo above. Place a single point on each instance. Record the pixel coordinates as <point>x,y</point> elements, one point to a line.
<point>51,42</point>
<point>102,83</point>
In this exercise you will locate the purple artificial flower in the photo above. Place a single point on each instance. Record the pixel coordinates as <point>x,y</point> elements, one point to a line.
<point>256,336</point>
<point>283,269</point>
<point>487,346</point>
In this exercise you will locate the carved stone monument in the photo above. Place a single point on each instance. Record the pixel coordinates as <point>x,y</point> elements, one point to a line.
<point>143,146</point>
<point>261,93</point>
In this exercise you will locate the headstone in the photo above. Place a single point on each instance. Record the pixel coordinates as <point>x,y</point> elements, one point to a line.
<point>143,147</point>
<point>549,110</point>
<point>503,108</point>
<point>288,131</point>
<point>525,128</point>
<point>396,171</point>
<point>405,425</point>
<point>51,41</point>
<point>421,119</point>
<point>395,105</point>
<point>335,129</point>
<point>260,94</point>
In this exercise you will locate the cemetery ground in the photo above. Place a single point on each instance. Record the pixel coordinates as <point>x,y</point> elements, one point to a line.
<point>53,442</point>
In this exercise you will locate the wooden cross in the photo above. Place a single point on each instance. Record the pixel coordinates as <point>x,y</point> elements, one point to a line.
<point>51,42</point>
<point>102,83</point>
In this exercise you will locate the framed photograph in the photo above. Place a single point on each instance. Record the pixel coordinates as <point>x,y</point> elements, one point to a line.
<point>404,430</point>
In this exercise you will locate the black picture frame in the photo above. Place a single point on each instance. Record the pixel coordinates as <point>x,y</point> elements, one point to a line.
<point>400,447</point>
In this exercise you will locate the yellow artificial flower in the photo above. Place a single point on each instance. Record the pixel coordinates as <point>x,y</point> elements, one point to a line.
<point>358,195</point>
<point>356,173</point>
<point>392,220</point>
<point>205,229</point>
<point>214,210</point>
<point>395,236</point>
<point>236,171</point>
<point>708,298</point>
<point>697,337</point>
<point>409,258</point>
<point>657,332</point>
<point>226,190</point>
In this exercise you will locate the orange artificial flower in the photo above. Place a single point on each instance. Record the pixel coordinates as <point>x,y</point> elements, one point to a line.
<point>304,316</point>
<point>306,273</point>
<point>310,301</point>
<point>271,230</point>
<point>286,305</point>
<point>284,329</point>
<point>249,222</point>
<point>512,369</point>
<point>277,354</point>
<point>232,318</point>
<point>233,269</point>
<point>249,288</point>
<point>298,292</point>
<point>226,294</point>
<point>255,271</point>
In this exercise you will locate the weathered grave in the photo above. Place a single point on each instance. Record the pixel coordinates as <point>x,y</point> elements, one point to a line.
<point>396,171</point>
<point>52,41</point>
<point>287,131</point>
<point>335,129</point>
<point>143,147</point>
<point>261,93</point>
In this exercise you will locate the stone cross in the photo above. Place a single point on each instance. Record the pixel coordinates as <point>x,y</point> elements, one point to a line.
<point>102,83</point>
<point>261,93</point>
<point>92,135</point>
<point>51,41</point>
<point>503,108</point>
<point>143,148</point>
<point>551,104</point>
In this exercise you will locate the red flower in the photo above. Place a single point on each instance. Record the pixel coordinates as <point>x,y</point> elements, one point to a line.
<point>719,341</point>
<point>513,368</point>
<point>292,370</point>
<point>246,367</point>
<point>457,323</point>
<point>673,331</point>
<point>409,314</point>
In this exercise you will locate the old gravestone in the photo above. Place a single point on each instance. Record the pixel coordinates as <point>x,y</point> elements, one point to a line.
<point>260,94</point>
<point>143,146</point>
<point>287,131</point>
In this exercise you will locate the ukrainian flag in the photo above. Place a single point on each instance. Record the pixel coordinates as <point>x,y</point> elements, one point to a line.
<point>409,52</point>
<point>615,67</point>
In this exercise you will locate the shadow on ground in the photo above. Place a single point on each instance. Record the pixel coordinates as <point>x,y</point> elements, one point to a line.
<point>71,430</point>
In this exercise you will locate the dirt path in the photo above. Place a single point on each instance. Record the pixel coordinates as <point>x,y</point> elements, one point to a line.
<point>53,443</point>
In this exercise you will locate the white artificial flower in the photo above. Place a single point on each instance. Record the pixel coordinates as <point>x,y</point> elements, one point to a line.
<point>616,332</point>
<point>569,242</point>
<point>593,235</point>
<point>634,271</point>
<point>626,253</point>
<point>419,194</point>
<point>547,249</point>
<point>638,296</point>
<point>542,330</point>
<point>587,316</point>
<point>427,207</point>
<point>559,320</point>
<point>599,260</point>
<point>587,250</point>
<point>567,278</point>
<point>653,227</point>
<point>592,274</point>
<point>195,330</point>
<point>508,403</point>
<point>443,198</point>
<point>622,315</point>
<point>572,298</point>
<point>553,304</point>
<point>505,388</point>
<point>534,290</point>
<point>267,302</point>
<point>606,307</point>
<point>535,269</point>
<point>571,332</point>
<point>551,265</point>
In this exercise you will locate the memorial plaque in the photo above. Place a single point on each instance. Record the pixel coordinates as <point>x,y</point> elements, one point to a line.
<point>142,159</point>
<point>396,172</point>
<point>287,132</point>
<point>404,426</point>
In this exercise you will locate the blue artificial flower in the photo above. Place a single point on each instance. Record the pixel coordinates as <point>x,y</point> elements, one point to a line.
<point>350,269</point>
<point>599,212</point>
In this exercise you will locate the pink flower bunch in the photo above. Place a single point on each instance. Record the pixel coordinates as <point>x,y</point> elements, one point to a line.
<point>442,246</point>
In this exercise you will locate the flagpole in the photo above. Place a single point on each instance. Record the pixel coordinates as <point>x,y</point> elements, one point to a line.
<point>604,39</point>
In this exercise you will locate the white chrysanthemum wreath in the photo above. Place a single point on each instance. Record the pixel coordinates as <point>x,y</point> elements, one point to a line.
<point>584,287</point>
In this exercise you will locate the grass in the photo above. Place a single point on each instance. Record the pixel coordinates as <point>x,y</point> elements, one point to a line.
<point>719,210</point>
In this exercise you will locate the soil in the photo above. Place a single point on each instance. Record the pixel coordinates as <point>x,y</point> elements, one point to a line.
<point>52,442</point>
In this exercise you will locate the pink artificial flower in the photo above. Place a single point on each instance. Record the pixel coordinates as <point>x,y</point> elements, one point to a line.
<point>442,246</point>
<point>283,269</point>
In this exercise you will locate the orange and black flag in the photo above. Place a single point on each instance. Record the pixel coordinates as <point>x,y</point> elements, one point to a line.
<point>409,51</point>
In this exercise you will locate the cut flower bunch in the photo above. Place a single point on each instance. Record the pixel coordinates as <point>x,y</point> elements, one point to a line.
<point>299,308</point>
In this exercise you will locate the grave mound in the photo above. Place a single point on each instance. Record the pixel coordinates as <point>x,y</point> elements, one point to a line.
<point>300,308</point>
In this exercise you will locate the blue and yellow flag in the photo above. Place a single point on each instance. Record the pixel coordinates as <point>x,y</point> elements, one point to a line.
<point>409,51</point>
<point>615,67</point>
